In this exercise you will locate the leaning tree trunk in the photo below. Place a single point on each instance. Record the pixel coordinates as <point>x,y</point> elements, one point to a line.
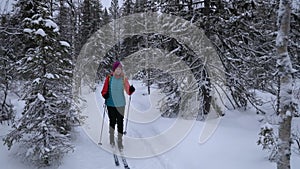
<point>285,72</point>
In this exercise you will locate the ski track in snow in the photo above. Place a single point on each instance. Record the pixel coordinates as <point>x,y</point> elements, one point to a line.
<point>159,161</point>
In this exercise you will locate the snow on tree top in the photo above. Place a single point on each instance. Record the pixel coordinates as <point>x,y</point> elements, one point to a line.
<point>267,126</point>
<point>41,97</point>
<point>27,30</point>
<point>37,80</point>
<point>36,21</point>
<point>40,32</point>
<point>29,59</point>
<point>51,24</point>
<point>296,6</point>
<point>288,113</point>
<point>49,76</point>
<point>64,43</point>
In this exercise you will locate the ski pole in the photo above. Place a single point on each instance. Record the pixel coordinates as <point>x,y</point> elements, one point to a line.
<point>100,141</point>
<point>125,132</point>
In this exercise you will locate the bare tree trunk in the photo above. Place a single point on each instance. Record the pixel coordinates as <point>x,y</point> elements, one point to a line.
<point>285,71</point>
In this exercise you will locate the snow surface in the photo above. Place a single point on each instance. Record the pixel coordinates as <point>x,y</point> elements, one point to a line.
<point>232,146</point>
<point>51,24</point>
<point>41,97</point>
<point>49,75</point>
<point>27,30</point>
<point>64,43</point>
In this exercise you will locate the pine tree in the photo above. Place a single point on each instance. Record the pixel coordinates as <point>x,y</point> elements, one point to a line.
<point>139,6</point>
<point>128,8</point>
<point>173,7</point>
<point>106,17</point>
<point>86,22</point>
<point>114,9</point>
<point>91,19</point>
<point>105,66</point>
<point>47,119</point>
<point>21,10</point>
<point>77,28</point>
<point>97,14</point>
<point>116,13</point>
<point>152,6</point>
<point>6,70</point>
<point>66,21</point>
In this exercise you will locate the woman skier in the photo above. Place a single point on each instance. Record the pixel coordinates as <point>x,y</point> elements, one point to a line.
<point>113,93</point>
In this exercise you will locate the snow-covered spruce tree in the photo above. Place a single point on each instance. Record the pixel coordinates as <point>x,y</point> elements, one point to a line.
<point>105,17</point>
<point>90,18</point>
<point>97,14</point>
<point>21,10</point>
<point>268,140</point>
<point>183,8</point>
<point>91,11</point>
<point>77,28</point>
<point>288,106</point>
<point>146,6</point>
<point>6,70</point>
<point>115,13</point>
<point>139,6</point>
<point>66,22</point>
<point>44,128</point>
<point>127,8</point>
<point>114,9</point>
<point>86,23</point>
<point>170,7</point>
<point>152,6</point>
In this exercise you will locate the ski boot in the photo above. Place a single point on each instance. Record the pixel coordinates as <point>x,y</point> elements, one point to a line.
<point>120,142</point>
<point>112,137</point>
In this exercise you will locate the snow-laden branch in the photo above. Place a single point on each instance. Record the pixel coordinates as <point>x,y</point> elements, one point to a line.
<point>3,30</point>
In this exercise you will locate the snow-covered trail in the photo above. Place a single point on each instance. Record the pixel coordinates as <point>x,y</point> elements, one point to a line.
<point>232,146</point>
<point>89,155</point>
<point>229,148</point>
<point>159,161</point>
<point>138,127</point>
<point>232,140</point>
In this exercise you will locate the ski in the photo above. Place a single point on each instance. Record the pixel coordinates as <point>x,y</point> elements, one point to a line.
<point>125,162</point>
<point>116,160</point>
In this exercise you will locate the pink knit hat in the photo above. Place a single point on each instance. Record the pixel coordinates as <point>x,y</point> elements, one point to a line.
<point>115,65</point>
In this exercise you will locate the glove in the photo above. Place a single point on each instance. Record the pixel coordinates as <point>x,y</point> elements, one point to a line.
<point>106,96</point>
<point>131,89</point>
